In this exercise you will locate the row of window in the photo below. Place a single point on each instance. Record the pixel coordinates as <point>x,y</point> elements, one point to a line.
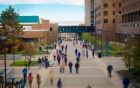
<point>106,21</point>
<point>113,13</point>
<point>131,25</point>
<point>113,5</point>
<point>131,6</point>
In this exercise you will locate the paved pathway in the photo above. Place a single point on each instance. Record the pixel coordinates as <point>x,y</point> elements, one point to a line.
<point>92,71</point>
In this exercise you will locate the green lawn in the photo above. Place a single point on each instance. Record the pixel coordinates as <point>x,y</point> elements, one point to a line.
<point>23,63</point>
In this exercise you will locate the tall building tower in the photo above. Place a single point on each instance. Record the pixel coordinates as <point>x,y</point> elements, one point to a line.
<point>89,12</point>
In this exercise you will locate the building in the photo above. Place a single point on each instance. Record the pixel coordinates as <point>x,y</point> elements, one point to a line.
<point>38,29</point>
<point>105,18</point>
<point>130,20</point>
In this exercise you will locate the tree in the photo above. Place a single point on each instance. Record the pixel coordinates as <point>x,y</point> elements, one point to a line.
<point>10,24</point>
<point>29,50</point>
<point>11,27</point>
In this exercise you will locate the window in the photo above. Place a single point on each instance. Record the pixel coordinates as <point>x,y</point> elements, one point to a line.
<point>113,4</point>
<point>105,20</point>
<point>92,16</point>
<point>105,4</point>
<point>119,12</point>
<point>92,21</point>
<point>105,12</point>
<point>113,12</point>
<point>119,4</point>
<point>113,20</point>
<point>92,24</point>
<point>92,12</point>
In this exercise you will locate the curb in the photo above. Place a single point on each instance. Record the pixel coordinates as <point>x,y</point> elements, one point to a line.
<point>123,78</point>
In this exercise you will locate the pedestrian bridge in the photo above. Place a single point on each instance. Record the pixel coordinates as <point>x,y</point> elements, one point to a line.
<point>75,29</point>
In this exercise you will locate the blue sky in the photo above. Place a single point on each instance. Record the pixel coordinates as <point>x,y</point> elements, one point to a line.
<point>54,10</point>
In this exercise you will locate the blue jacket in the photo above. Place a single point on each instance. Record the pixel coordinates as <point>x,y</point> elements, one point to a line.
<point>126,82</point>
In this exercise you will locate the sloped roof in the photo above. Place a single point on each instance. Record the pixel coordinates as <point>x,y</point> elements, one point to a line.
<point>33,34</point>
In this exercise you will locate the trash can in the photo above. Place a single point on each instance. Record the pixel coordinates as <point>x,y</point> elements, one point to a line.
<point>40,48</point>
<point>99,55</point>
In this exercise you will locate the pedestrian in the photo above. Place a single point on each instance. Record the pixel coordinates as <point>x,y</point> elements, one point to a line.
<point>93,53</point>
<point>87,54</point>
<point>46,62</point>
<point>70,66</point>
<point>62,47</point>
<point>58,59</point>
<point>62,56</point>
<point>43,61</point>
<point>79,54</point>
<point>24,71</point>
<point>65,49</point>
<point>126,82</point>
<point>38,80</point>
<point>39,62</point>
<point>77,67</point>
<point>57,51</point>
<point>22,83</point>
<point>30,78</point>
<point>109,69</point>
<point>60,52</point>
<point>61,69</point>
<point>59,83</point>
<point>63,66</point>
<point>73,43</point>
<point>76,51</point>
<point>77,59</point>
<point>29,62</point>
<point>65,60</point>
<point>55,46</point>
<point>54,55</point>
<point>51,77</point>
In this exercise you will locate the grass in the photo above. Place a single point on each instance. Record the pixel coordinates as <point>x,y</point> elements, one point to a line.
<point>23,63</point>
<point>36,52</point>
<point>111,52</point>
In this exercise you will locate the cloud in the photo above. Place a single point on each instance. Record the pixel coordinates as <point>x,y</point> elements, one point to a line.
<point>68,2</point>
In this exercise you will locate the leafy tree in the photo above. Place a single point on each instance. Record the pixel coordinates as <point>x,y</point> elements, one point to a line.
<point>10,24</point>
<point>29,50</point>
<point>11,27</point>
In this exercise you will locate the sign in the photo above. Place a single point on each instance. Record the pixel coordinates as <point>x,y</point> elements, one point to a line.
<point>107,49</point>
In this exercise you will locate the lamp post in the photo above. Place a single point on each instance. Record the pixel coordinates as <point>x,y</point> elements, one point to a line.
<point>2,38</point>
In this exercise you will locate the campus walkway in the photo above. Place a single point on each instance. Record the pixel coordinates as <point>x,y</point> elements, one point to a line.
<point>92,71</point>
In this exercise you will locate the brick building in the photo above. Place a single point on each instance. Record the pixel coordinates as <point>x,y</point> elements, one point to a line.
<point>105,18</point>
<point>130,20</point>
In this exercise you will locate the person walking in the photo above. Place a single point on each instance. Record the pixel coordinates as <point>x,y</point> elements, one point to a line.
<point>51,77</point>
<point>29,62</point>
<point>76,51</point>
<point>77,59</point>
<point>93,53</point>
<point>38,80</point>
<point>39,62</point>
<point>65,60</point>
<point>87,54</point>
<point>46,62</point>
<point>63,66</point>
<point>70,66</point>
<point>59,83</point>
<point>22,83</point>
<point>125,82</point>
<point>24,71</point>
<point>58,59</point>
<point>43,61</point>
<point>30,78</point>
<point>77,67</point>
<point>109,69</point>
<point>54,55</point>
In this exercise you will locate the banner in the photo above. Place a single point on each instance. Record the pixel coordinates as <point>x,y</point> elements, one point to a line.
<point>107,49</point>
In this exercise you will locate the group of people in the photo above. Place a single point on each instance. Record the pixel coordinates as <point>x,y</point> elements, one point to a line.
<point>29,78</point>
<point>43,62</point>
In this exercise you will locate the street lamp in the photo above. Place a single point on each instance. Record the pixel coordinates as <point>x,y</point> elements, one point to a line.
<point>2,38</point>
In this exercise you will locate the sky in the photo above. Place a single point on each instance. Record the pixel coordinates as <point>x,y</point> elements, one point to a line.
<point>54,10</point>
